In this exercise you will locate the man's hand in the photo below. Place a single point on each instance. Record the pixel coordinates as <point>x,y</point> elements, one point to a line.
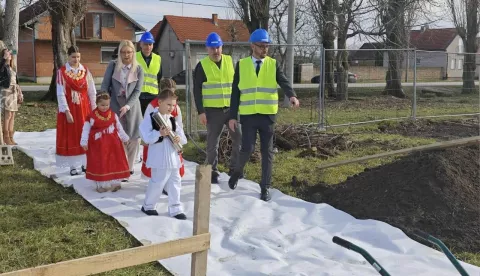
<point>123,111</point>
<point>164,131</point>
<point>69,117</point>
<point>294,101</point>
<point>232,124</point>
<point>203,118</point>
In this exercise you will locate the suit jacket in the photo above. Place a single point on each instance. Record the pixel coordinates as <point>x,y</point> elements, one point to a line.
<point>112,84</point>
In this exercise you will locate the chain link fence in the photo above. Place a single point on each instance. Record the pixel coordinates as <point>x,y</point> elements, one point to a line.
<point>372,85</point>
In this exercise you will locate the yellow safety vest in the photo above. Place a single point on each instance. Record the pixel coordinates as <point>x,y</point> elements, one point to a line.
<point>216,91</point>
<point>150,82</point>
<point>258,95</point>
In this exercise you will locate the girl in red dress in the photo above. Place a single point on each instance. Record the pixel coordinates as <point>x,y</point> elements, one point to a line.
<point>176,113</point>
<point>102,138</point>
<point>76,99</point>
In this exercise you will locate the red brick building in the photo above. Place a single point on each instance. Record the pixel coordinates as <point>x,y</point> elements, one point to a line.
<point>104,26</point>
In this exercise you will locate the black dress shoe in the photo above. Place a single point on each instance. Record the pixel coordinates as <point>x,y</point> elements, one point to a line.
<point>164,192</point>
<point>84,170</point>
<point>181,216</point>
<point>150,212</point>
<point>131,172</point>
<point>233,181</point>
<point>215,176</point>
<point>265,195</point>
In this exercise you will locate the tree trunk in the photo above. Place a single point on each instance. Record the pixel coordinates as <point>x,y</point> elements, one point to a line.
<point>2,25</point>
<point>471,47</point>
<point>395,29</point>
<point>65,15</point>
<point>329,44</point>
<point>11,28</point>
<point>342,59</point>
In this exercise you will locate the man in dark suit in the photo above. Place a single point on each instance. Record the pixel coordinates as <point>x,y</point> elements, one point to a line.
<point>255,98</point>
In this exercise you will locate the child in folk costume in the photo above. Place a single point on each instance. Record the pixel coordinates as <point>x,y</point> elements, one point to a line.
<point>165,83</point>
<point>164,160</point>
<point>102,138</point>
<point>76,99</point>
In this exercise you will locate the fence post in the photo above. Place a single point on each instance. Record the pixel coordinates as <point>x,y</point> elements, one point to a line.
<point>321,96</point>
<point>188,87</point>
<point>414,98</point>
<point>201,217</point>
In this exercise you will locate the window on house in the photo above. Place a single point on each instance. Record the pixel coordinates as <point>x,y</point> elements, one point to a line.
<point>106,54</point>
<point>460,64</point>
<point>78,31</point>
<point>460,46</point>
<point>108,20</point>
<point>93,25</point>
<point>452,64</point>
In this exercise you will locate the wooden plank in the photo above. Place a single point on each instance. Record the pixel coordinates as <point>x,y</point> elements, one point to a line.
<point>119,259</point>
<point>439,145</point>
<point>201,220</point>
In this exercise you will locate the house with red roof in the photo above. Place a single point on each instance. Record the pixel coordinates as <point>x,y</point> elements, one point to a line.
<point>172,32</point>
<point>97,36</point>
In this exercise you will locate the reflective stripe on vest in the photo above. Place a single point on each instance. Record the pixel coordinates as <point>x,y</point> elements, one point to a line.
<point>150,81</point>
<point>258,95</point>
<point>216,91</point>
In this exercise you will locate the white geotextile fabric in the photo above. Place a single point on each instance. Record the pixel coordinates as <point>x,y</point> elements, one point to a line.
<point>286,236</point>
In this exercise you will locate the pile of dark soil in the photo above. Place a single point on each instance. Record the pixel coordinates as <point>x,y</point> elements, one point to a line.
<point>444,130</point>
<point>437,192</point>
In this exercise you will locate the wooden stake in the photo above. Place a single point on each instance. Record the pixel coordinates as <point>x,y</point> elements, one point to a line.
<point>201,219</point>
<point>439,145</point>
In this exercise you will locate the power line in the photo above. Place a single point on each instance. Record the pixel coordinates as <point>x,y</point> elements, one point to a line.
<point>196,4</point>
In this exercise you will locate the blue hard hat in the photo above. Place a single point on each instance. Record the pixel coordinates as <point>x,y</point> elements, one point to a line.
<point>147,37</point>
<point>213,40</point>
<point>260,35</point>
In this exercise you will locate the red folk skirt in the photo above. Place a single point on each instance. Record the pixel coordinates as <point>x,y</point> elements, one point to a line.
<point>106,159</point>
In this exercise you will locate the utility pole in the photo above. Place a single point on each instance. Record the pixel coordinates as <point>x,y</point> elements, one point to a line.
<point>290,50</point>
<point>11,22</point>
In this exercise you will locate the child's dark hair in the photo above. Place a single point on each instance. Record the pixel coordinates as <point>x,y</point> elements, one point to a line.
<point>167,83</point>
<point>101,97</point>
<point>166,93</point>
<point>73,49</point>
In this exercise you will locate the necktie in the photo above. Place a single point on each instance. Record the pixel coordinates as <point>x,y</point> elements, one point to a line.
<point>258,66</point>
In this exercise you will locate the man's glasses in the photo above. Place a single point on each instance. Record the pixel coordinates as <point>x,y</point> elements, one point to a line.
<point>265,46</point>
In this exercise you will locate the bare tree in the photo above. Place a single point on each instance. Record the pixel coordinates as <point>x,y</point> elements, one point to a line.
<point>254,13</point>
<point>2,26</point>
<point>466,17</point>
<point>65,15</point>
<point>11,27</point>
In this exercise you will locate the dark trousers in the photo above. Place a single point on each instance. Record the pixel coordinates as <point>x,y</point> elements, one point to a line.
<point>264,125</point>
<point>217,119</point>
<point>145,99</point>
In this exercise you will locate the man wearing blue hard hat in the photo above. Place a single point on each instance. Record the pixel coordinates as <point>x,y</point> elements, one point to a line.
<point>255,98</point>
<point>152,67</point>
<point>212,90</point>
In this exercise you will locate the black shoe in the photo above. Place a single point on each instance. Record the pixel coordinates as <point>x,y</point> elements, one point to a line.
<point>230,173</point>
<point>265,195</point>
<point>181,216</point>
<point>233,181</point>
<point>215,176</point>
<point>84,170</point>
<point>131,172</point>
<point>150,212</point>
<point>164,192</point>
<point>73,172</point>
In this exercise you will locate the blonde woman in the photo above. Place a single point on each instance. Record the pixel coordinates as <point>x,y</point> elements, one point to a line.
<point>123,79</point>
<point>11,96</point>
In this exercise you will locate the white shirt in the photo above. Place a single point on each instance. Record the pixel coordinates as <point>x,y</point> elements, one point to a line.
<point>255,62</point>
<point>62,100</point>
<point>160,155</point>
<point>88,125</point>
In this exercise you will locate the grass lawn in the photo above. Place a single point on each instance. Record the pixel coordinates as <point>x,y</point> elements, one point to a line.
<point>42,222</point>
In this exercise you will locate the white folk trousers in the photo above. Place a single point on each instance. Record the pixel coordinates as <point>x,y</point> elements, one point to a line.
<point>169,179</point>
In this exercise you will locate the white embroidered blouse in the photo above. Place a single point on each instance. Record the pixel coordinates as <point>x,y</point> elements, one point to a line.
<point>88,125</point>
<point>62,100</point>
